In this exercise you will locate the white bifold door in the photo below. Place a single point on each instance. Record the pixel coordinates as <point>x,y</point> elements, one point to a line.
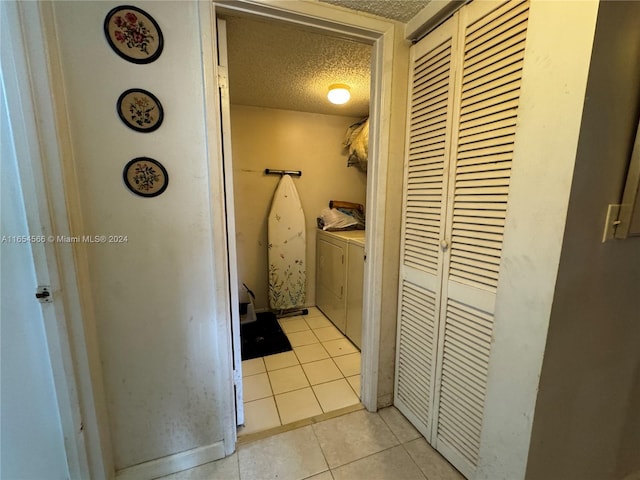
<point>464,91</point>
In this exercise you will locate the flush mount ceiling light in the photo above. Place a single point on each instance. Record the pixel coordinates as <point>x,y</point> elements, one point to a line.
<point>338,93</point>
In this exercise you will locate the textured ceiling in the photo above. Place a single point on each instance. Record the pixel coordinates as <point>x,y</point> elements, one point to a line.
<point>278,65</point>
<point>401,10</point>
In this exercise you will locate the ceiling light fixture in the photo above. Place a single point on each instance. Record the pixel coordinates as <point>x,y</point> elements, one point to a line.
<point>339,93</point>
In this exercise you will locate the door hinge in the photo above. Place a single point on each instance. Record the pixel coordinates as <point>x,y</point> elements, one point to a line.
<point>611,222</point>
<point>223,77</point>
<point>43,294</point>
<point>237,377</point>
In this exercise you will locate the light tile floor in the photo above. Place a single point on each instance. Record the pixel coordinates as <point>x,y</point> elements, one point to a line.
<point>355,446</point>
<point>321,374</point>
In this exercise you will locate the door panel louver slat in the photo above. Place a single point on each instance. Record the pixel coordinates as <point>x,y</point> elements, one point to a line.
<point>482,94</point>
<point>461,375</point>
<point>473,173</point>
<point>483,156</point>
<point>479,117</point>
<point>427,132</point>
<point>476,108</point>
<point>482,84</point>
<point>416,337</point>
<point>436,154</point>
<point>425,168</point>
<point>450,433</point>
<point>487,259</point>
<point>466,398</point>
<point>491,67</point>
<point>428,100</point>
<point>463,366</point>
<point>434,83</point>
<point>429,111</point>
<point>428,116</point>
<point>506,22</point>
<point>494,46</point>
<point>458,421</point>
<point>490,124</point>
<point>488,63</point>
<point>465,358</point>
<point>431,65</point>
<point>472,396</point>
<point>476,248</point>
<point>489,21</point>
<point>423,134</point>
<point>431,62</point>
<point>463,419</point>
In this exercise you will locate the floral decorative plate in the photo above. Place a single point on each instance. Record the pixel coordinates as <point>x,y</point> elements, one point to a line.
<point>133,34</point>
<point>145,176</point>
<point>140,110</point>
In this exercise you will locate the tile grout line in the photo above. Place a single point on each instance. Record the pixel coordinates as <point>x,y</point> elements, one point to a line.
<point>257,436</point>
<point>311,386</point>
<point>339,369</point>
<point>331,357</point>
<point>371,454</point>
<point>237,454</point>
<point>273,394</point>
<point>412,459</point>
<point>322,451</point>
<point>400,442</point>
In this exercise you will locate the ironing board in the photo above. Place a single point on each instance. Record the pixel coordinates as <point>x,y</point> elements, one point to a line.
<point>287,247</point>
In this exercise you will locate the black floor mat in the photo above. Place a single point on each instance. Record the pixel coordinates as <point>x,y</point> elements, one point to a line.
<point>263,337</point>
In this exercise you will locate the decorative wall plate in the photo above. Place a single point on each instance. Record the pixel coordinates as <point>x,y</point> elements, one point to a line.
<point>133,34</point>
<point>140,110</point>
<point>145,176</point>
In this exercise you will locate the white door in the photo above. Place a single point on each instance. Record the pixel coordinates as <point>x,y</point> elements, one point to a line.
<point>421,267</point>
<point>451,250</point>
<point>32,437</point>
<point>223,88</point>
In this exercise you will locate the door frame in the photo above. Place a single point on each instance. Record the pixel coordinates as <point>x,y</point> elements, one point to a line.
<point>380,34</point>
<point>41,142</point>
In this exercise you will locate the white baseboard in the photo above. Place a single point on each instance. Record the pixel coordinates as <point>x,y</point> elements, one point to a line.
<point>172,463</point>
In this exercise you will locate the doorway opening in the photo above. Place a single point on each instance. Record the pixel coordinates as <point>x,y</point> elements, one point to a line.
<point>379,35</point>
<point>280,119</point>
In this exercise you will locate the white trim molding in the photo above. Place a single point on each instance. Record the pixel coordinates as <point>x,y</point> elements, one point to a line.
<point>71,336</point>
<point>380,33</point>
<point>173,463</point>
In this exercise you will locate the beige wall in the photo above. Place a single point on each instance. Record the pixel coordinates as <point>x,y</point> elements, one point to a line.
<point>554,82</point>
<point>152,295</point>
<point>587,418</point>
<point>288,140</point>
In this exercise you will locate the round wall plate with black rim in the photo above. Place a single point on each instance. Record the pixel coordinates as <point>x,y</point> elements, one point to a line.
<point>133,34</point>
<point>145,176</point>
<point>140,110</point>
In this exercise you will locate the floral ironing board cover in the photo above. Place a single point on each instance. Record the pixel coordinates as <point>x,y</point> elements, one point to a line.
<point>287,248</point>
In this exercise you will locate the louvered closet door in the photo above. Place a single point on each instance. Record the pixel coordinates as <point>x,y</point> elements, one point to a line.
<point>487,92</point>
<point>462,118</point>
<point>429,141</point>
